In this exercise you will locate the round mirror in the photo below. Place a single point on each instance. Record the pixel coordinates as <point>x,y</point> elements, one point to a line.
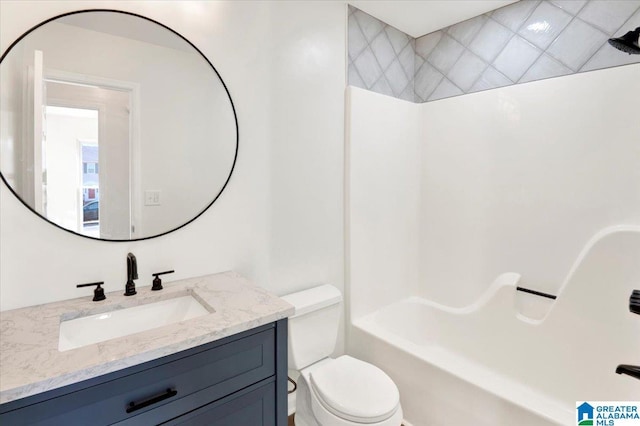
<point>113,126</point>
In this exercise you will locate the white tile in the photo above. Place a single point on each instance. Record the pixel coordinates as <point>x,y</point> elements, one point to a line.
<point>571,6</point>
<point>609,56</point>
<point>353,77</point>
<point>544,24</point>
<point>576,44</point>
<point>513,15</point>
<point>630,25</point>
<point>490,79</point>
<point>396,77</point>
<point>516,58</point>
<point>426,80</point>
<point>545,67</point>
<point>356,41</point>
<point>609,15</point>
<point>467,70</point>
<point>490,40</point>
<point>408,94</point>
<point>382,50</point>
<point>418,61</point>
<point>368,67</point>
<point>407,59</point>
<point>398,39</point>
<point>445,89</point>
<point>426,44</point>
<point>369,25</point>
<point>445,54</point>
<point>382,86</point>
<point>465,31</point>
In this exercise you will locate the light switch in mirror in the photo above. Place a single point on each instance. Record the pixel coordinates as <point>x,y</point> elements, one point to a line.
<point>113,126</point>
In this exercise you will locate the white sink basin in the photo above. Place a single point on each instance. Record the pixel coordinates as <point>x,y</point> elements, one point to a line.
<point>92,329</point>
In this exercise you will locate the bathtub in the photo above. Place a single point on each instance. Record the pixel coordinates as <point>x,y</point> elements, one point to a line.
<point>497,363</point>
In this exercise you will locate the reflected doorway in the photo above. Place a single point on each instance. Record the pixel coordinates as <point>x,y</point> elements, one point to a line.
<point>71,168</point>
<point>87,154</point>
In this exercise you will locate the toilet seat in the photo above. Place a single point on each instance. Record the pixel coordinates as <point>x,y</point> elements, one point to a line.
<point>355,390</point>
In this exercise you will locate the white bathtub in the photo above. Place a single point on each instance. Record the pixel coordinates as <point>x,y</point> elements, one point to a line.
<point>489,364</point>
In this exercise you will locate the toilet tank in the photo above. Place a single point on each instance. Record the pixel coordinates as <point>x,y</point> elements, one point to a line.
<point>313,329</point>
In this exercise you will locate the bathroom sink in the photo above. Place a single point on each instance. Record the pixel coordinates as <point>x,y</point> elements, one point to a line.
<point>92,329</point>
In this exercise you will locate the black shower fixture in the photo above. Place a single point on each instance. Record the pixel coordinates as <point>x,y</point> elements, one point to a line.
<point>627,43</point>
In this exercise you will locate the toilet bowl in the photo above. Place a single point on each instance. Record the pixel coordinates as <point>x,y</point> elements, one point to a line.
<point>343,391</point>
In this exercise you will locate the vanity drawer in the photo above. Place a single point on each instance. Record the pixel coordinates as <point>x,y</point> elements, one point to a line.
<point>252,406</point>
<point>221,370</point>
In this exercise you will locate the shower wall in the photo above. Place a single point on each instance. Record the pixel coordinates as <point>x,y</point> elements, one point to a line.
<point>524,41</point>
<point>516,179</point>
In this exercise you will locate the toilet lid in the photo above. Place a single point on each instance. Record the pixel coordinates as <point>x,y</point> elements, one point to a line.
<point>355,390</point>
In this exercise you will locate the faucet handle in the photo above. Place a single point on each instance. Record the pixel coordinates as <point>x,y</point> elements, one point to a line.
<point>157,282</point>
<point>98,293</point>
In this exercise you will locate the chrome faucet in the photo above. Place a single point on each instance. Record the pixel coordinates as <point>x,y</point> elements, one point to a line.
<point>132,274</point>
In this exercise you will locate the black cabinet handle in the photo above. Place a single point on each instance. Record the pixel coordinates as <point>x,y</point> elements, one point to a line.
<point>135,406</point>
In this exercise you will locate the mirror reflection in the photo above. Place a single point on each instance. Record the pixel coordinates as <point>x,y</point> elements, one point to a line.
<point>113,126</point>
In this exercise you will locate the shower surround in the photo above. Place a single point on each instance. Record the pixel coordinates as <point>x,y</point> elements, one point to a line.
<point>525,41</point>
<point>451,205</point>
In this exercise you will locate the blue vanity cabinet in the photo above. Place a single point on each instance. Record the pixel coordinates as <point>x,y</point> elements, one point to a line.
<point>238,380</point>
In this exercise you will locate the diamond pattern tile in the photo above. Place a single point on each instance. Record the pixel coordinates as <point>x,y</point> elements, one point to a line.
<point>381,58</point>
<point>368,68</point>
<point>608,56</point>
<point>571,6</point>
<point>426,44</point>
<point>465,31</point>
<point>383,50</point>
<point>577,43</point>
<point>545,67</point>
<point>382,86</point>
<point>407,59</point>
<point>525,41</point>
<point>515,14</point>
<point>516,58</point>
<point>354,77</point>
<point>445,89</point>
<point>446,53</point>
<point>369,25</point>
<point>357,41</point>
<point>490,79</point>
<point>426,80</point>
<point>491,39</point>
<point>544,24</point>
<point>398,39</point>
<point>466,71</point>
<point>396,78</point>
<point>608,15</point>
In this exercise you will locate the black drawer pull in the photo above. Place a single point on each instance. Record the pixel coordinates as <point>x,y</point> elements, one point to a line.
<point>135,406</point>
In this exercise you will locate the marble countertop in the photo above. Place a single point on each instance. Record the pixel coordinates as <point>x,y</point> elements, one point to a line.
<point>30,361</point>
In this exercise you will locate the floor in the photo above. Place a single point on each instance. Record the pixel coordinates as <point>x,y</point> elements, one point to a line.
<point>291,423</point>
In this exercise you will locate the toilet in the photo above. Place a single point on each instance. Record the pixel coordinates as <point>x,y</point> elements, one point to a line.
<point>344,391</point>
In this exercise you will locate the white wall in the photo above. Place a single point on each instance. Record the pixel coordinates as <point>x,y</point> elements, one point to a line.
<point>516,179</point>
<point>384,191</point>
<point>279,222</point>
<point>11,117</point>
